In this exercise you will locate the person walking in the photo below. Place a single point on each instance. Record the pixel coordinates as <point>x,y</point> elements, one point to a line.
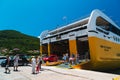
<point>72,59</point>
<point>77,58</point>
<point>7,70</point>
<point>33,65</point>
<point>16,58</point>
<point>64,58</point>
<point>67,59</point>
<point>39,62</point>
<point>37,65</point>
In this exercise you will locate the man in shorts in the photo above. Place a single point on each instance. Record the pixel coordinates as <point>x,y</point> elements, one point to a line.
<point>7,64</point>
<point>16,58</point>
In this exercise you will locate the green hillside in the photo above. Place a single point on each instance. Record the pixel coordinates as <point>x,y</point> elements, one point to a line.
<point>10,40</point>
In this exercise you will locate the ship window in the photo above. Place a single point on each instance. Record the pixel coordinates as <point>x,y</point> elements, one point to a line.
<point>116,39</point>
<point>104,24</point>
<point>115,30</point>
<point>113,37</point>
<point>119,39</point>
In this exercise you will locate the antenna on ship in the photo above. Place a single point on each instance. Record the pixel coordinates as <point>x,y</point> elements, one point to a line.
<point>117,22</point>
<point>65,19</point>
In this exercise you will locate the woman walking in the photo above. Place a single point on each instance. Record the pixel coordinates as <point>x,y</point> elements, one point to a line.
<point>33,65</point>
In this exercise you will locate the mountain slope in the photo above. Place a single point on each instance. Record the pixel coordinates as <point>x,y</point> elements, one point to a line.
<point>10,39</point>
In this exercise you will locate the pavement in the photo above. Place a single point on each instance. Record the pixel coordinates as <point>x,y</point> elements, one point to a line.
<point>54,73</point>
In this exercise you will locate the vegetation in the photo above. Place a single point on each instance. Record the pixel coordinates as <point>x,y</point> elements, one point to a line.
<point>12,42</point>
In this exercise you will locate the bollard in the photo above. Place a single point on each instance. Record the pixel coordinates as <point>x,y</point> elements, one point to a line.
<point>47,63</point>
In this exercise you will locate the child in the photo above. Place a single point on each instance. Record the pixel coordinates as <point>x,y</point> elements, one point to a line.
<point>38,67</point>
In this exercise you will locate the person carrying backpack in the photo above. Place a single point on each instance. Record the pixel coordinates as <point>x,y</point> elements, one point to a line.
<point>7,70</point>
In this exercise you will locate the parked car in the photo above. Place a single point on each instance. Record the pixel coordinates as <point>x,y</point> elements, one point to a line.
<point>2,58</point>
<point>51,58</point>
<point>22,61</point>
<point>3,63</point>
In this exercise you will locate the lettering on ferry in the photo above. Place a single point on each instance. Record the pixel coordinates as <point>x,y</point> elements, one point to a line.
<point>106,48</point>
<point>118,54</point>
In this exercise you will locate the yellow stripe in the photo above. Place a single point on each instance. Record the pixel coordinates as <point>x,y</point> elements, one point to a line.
<point>49,49</point>
<point>72,47</point>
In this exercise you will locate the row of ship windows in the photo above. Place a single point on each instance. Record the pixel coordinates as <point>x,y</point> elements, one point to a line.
<point>117,39</point>
<point>114,38</point>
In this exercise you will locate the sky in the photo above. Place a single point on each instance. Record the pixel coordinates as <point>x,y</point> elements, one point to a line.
<point>32,17</point>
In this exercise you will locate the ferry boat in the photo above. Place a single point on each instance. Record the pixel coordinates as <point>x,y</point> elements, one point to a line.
<point>95,42</point>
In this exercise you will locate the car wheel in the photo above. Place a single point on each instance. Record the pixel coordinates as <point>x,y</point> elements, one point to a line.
<point>25,64</point>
